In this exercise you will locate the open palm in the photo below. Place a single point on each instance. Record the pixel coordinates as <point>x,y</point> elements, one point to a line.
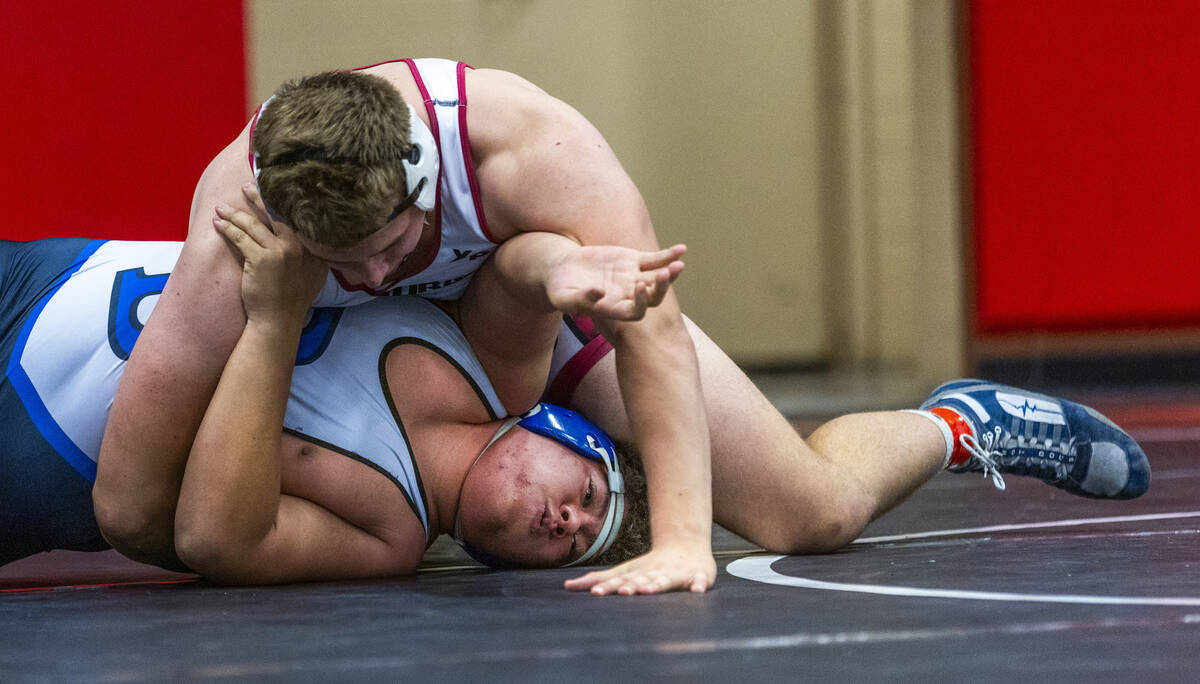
<point>618,283</point>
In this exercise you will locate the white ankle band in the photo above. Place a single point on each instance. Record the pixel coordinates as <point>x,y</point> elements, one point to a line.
<point>946,433</point>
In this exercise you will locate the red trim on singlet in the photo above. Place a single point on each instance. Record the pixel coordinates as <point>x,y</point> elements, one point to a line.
<point>437,140</point>
<point>337,275</point>
<point>465,141</point>
<point>371,66</point>
<point>563,387</point>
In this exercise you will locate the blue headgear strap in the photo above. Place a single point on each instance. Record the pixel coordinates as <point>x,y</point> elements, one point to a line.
<point>583,437</point>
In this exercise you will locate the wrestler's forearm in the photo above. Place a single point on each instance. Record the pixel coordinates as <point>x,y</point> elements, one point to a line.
<point>522,266</point>
<point>508,319</point>
<point>233,524</point>
<point>230,492</point>
<point>660,386</point>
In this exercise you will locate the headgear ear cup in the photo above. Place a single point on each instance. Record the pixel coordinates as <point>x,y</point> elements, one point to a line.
<point>422,162</point>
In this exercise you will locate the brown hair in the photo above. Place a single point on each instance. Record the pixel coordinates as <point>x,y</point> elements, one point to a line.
<point>330,149</point>
<point>634,537</point>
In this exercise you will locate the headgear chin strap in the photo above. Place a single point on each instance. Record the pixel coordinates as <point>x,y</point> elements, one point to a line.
<point>420,162</point>
<point>583,437</point>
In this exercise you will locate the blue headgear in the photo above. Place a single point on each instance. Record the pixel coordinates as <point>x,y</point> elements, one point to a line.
<point>583,437</point>
<point>420,163</point>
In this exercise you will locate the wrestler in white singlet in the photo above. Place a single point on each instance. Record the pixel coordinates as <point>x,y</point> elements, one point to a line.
<point>67,352</point>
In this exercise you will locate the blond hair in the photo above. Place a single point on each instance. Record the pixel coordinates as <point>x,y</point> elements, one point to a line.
<point>329,151</point>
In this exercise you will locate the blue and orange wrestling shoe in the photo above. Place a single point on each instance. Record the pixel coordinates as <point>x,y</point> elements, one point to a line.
<point>998,429</point>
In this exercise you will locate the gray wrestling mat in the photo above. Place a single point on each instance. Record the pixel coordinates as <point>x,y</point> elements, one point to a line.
<point>961,583</point>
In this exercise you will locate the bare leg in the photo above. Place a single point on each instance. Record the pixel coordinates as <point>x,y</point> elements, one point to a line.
<point>769,485</point>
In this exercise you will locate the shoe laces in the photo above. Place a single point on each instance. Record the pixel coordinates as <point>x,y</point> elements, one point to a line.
<point>1043,464</point>
<point>984,459</point>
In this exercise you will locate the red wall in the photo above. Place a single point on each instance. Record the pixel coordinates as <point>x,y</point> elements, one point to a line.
<point>111,112</point>
<point>1086,144</point>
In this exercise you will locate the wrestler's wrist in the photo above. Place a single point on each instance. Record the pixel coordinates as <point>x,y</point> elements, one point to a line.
<point>278,325</point>
<point>695,548</point>
<point>694,536</point>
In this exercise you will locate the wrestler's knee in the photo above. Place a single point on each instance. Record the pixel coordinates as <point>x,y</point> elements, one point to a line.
<point>832,523</point>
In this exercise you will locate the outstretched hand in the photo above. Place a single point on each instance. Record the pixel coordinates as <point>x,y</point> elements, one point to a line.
<point>659,570</point>
<point>618,283</point>
<point>280,277</point>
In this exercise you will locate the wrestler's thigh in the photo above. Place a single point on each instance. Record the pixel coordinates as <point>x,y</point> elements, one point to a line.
<point>768,484</point>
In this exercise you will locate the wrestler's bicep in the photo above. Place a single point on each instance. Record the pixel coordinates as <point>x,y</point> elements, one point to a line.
<point>512,338</point>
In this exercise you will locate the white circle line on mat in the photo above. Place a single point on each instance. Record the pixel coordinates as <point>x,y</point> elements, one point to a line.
<point>759,569</point>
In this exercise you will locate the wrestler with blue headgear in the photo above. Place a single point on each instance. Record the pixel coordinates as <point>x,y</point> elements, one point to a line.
<point>385,412</point>
<point>582,437</point>
<point>383,419</point>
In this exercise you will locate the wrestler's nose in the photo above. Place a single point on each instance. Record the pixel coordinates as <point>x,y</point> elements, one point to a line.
<point>376,270</point>
<point>567,522</point>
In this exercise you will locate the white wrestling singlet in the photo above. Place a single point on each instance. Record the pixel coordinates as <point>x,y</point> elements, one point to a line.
<point>72,352</point>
